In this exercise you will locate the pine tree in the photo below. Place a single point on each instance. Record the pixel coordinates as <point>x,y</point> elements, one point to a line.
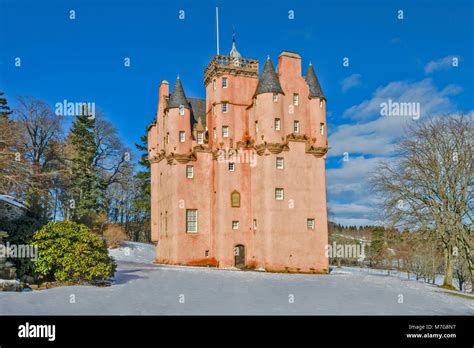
<point>87,188</point>
<point>4,108</point>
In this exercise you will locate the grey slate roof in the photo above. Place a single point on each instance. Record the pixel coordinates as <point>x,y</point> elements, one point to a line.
<point>177,97</point>
<point>315,90</point>
<point>198,109</point>
<point>269,82</point>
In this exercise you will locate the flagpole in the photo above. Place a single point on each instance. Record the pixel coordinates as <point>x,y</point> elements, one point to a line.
<point>217,27</point>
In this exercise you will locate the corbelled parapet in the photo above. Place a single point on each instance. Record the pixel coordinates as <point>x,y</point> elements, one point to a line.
<point>220,65</point>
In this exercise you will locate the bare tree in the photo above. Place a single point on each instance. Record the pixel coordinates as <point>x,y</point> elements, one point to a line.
<point>430,185</point>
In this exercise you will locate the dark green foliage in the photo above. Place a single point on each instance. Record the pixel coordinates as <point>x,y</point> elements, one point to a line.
<point>4,108</point>
<point>71,252</point>
<point>20,232</point>
<point>87,187</point>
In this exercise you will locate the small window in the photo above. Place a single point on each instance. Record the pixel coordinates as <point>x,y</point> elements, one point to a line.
<point>296,99</point>
<point>214,110</point>
<point>214,133</point>
<point>254,224</point>
<point>280,163</point>
<point>279,194</point>
<point>235,225</point>
<point>320,103</point>
<point>256,126</point>
<point>321,128</point>
<point>310,224</point>
<point>181,137</point>
<point>168,138</point>
<point>296,126</point>
<point>191,220</point>
<point>275,97</point>
<point>277,124</point>
<point>225,131</point>
<point>214,84</point>
<point>189,172</point>
<point>224,82</point>
<point>181,110</point>
<point>235,199</point>
<point>231,167</point>
<point>200,137</point>
<point>225,107</point>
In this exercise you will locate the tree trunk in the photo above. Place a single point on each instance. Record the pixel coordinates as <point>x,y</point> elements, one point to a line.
<point>448,267</point>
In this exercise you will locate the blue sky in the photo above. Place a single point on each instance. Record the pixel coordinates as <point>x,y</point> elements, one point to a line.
<point>405,60</point>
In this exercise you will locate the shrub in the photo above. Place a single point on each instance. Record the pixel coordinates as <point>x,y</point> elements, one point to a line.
<point>68,251</point>
<point>114,234</point>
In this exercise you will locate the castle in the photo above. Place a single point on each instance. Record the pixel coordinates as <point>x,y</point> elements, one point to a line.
<point>238,178</point>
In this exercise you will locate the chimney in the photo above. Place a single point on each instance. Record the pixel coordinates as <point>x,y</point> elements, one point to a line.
<point>163,93</point>
<point>289,64</point>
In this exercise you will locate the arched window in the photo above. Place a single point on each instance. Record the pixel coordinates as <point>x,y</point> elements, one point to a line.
<point>235,199</point>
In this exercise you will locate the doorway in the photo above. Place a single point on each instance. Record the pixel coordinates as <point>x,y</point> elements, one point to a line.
<point>239,256</point>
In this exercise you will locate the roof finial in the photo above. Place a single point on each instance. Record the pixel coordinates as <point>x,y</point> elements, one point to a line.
<point>268,57</point>
<point>310,63</point>
<point>177,77</point>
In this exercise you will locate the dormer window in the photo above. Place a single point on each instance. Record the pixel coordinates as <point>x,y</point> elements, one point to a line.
<point>275,97</point>
<point>296,99</point>
<point>224,82</point>
<point>181,110</point>
<point>200,137</point>
<point>225,107</point>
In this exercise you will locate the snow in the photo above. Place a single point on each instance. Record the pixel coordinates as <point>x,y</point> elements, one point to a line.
<point>12,201</point>
<point>142,287</point>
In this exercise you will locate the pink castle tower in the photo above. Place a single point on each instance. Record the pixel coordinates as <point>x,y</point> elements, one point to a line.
<point>238,179</point>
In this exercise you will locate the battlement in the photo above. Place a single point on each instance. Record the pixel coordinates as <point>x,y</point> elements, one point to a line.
<point>221,64</point>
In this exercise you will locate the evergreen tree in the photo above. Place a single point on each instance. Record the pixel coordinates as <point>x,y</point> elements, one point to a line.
<point>4,108</point>
<point>86,185</point>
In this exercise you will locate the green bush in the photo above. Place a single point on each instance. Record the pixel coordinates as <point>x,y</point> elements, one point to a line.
<point>71,252</point>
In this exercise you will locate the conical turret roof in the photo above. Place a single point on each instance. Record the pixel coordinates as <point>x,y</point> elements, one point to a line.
<point>177,97</point>
<point>315,90</point>
<point>269,82</point>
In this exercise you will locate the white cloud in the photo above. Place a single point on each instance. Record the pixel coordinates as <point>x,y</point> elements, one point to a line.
<point>351,81</point>
<point>376,134</point>
<point>441,64</point>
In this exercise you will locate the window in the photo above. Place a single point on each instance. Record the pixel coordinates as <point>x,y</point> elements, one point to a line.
<point>321,128</point>
<point>181,110</point>
<point>321,103</point>
<point>279,195</point>
<point>191,220</point>
<point>189,172</point>
<point>256,126</point>
<point>254,224</point>
<point>225,107</point>
<point>296,99</point>
<point>235,225</point>
<point>235,199</point>
<point>214,85</point>
<point>277,124</point>
<point>225,131</point>
<point>224,82</point>
<point>200,137</point>
<point>310,224</point>
<point>280,163</point>
<point>214,110</point>
<point>214,133</point>
<point>181,137</point>
<point>231,167</point>
<point>296,126</point>
<point>275,97</point>
<point>168,138</point>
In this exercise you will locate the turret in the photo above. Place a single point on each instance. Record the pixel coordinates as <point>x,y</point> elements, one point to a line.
<point>268,115</point>
<point>317,102</point>
<point>178,121</point>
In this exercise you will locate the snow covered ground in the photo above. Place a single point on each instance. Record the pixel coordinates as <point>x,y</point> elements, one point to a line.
<point>142,287</point>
